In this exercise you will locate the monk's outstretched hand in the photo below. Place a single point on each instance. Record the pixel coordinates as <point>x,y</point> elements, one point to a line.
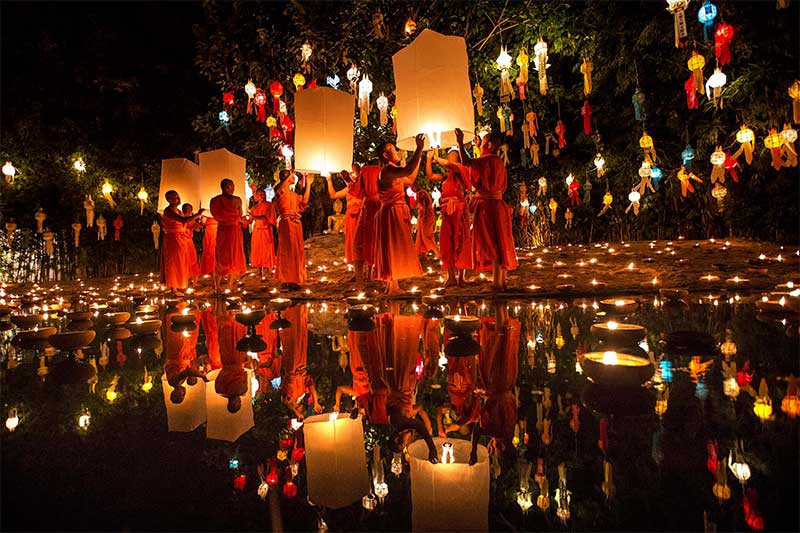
<point>459,135</point>
<point>420,140</point>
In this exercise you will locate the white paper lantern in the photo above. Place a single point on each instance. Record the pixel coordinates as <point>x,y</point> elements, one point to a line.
<point>323,131</point>
<point>222,424</point>
<point>181,175</point>
<point>433,93</point>
<point>215,166</point>
<point>453,496</point>
<point>336,464</point>
<point>191,412</point>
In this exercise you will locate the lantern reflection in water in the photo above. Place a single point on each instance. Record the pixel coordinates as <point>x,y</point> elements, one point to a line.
<point>190,411</point>
<point>222,424</point>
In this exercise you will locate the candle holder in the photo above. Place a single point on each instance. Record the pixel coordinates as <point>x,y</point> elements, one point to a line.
<point>36,334</point>
<point>116,319</point>
<point>71,370</point>
<point>462,344</point>
<point>120,334</point>
<point>279,305</point>
<point>26,321</point>
<point>144,327</point>
<point>79,325</point>
<point>233,303</point>
<point>617,368</point>
<point>618,306</point>
<point>251,317</point>
<point>612,333</point>
<point>433,301</point>
<point>673,295</point>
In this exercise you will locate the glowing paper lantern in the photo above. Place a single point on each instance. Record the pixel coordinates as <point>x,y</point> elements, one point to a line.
<point>188,414</point>
<point>746,138</point>
<point>715,84</point>
<point>324,133</point>
<point>364,90</point>
<point>222,424</point>
<point>678,8</point>
<point>452,496</point>
<point>9,171</point>
<point>336,464</point>
<point>180,175</point>
<point>503,64</point>
<point>706,16</point>
<point>696,63</point>
<point>433,90</point>
<point>794,94</point>
<point>774,142</point>
<point>215,166</point>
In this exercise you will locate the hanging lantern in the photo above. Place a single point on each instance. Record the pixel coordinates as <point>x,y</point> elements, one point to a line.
<point>524,500</point>
<point>79,165</point>
<point>383,106</point>
<point>687,155</point>
<point>410,27</point>
<point>227,98</point>
<point>691,93</point>
<point>260,101</point>
<point>706,16</point>
<point>718,170</point>
<point>719,192</point>
<point>224,118</point>
<point>746,138</point>
<point>586,112</point>
<point>637,100</point>
<point>599,164</point>
<point>522,80</point>
<point>142,196</point>
<point>299,81</point>
<point>276,90</point>
<point>763,404</point>
<point>678,8</point>
<point>774,142</point>
<point>686,177</point>
<point>696,63</point>
<point>364,90</point>
<point>721,489</point>
<point>645,171</point>
<point>477,92</point>
<point>250,90</point>
<point>586,70</point>
<point>714,86</point>
<point>633,198</point>
<point>608,199</point>
<point>791,403</point>
<point>789,135</point>
<point>722,43</point>
<point>107,189</point>
<point>646,143</point>
<point>9,172</point>
<point>553,205</point>
<point>794,94</point>
<point>305,55</point>
<point>540,51</point>
<point>741,470</point>
<point>561,130</point>
<point>333,82</point>
<point>352,75</point>
<point>503,64</point>
<point>655,176</point>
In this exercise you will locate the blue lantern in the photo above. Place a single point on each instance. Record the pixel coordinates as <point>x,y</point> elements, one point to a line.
<point>224,118</point>
<point>532,209</point>
<point>687,155</point>
<point>706,16</point>
<point>655,176</point>
<point>269,192</point>
<point>666,370</point>
<point>333,81</point>
<point>233,463</point>
<point>701,391</point>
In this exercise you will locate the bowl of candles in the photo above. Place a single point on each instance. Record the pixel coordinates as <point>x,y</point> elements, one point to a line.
<point>462,325</point>
<point>184,318</point>
<point>280,304</point>
<point>618,306</point>
<point>250,317</point>
<point>72,340</point>
<point>143,327</point>
<point>614,333</point>
<point>26,321</point>
<point>617,368</point>
<point>117,319</point>
<point>36,333</point>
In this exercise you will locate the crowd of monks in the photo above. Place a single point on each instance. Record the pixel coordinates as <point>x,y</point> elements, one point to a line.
<point>389,365</point>
<point>475,231</point>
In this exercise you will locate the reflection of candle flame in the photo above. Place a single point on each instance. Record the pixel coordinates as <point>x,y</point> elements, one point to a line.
<point>619,303</point>
<point>447,452</point>
<point>610,358</point>
<point>333,416</point>
<point>612,325</point>
<point>457,318</point>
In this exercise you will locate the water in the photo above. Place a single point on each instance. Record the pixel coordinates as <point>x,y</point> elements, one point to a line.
<point>125,470</point>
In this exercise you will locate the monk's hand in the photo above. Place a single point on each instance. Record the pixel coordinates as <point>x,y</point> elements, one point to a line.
<point>473,458</point>
<point>201,211</point>
<point>431,153</point>
<point>433,456</point>
<point>420,140</point>
<point>459,136</point>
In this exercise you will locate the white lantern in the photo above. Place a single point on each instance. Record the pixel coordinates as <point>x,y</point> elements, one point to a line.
<point>79,165</point>
<point>741,470</point>
<point>645,170</point>
<point>336,464</point>
<point>180,175</point>
<point>717,158</point>
<point>452,496</point>
<point>9,171</point>
<point>250,89</point>
<point>222,424</point>
<point>433,93</point>
<point>191,412</point>
<point>715,84</point>
<point>634,196</point>
<point>323,131</point>
<point>215,166</point>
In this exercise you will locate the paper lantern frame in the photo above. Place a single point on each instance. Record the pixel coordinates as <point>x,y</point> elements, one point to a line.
<point>323,130</point>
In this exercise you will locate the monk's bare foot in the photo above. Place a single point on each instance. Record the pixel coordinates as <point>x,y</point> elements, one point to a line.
<point>450,283</point>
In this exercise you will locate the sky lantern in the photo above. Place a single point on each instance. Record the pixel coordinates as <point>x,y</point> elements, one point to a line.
<point>324,131</point>
<point>180,175</point>
<point>222,424</point>
<point>433,90</point>
<point>336,464</point>
<point>215,166</point>
<point>190,412</point>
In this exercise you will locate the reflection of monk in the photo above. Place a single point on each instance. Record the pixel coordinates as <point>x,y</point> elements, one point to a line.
<point>231,381</point>
<point>465,406</point>
<point>269,361</point>
<point>209,321</point>
<point>369,383</point>
<point>296,382</point>
<point>181,352</point>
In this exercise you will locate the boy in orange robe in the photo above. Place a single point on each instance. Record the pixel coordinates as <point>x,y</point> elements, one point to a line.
<point>364,238</point>
<point>291,253</point>
<point>492,240</point>
<point>262,244</point>
<point>227,210</point>
<point>426,220</point>
<point>208,259</point>
<point>395,255</point>
<point>354,196</point>
<point>178,256</point>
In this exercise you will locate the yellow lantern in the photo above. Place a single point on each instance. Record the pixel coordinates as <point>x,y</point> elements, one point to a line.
<point>763,405</point>
<point>142,196</point>
<point>774,142</point>
<point>608,199</point>
<point>299,81</point>
<point>662,401</point>
<point>107,189</point>
<point>543,500</point>
<point>608,487</point>
<point>79,165</point>
<point>522,62</point>
<point>696,63</point>
<point>410,27</point>
<point>791,403</point>
<point>524,500</point>
<point>728,348</point>
<point>646,143</point>
<point>586,70</point>
<point>794,94</point>
<point>721,489</point>
<point>746,138</point>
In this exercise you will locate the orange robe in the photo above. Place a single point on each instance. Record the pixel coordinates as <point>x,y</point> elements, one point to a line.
<point>291,254</point>
<point>454,239</point>
<point>364,240</point>
<point>209,322</point>
<point>395,254</point>
<point>294,341</point>
<point>180,350</point>
<point>426,220</point>
<point>262,244</point>
<point>498,369</point>
<point>230,241</point>
<point>209,258</point>
<point>232,378</point>
<point>354,203</point>
<point>369,382</point>
<point>270,336</point>
<point>492,239</point>
<point>400,339</point>
<point>178,256</point>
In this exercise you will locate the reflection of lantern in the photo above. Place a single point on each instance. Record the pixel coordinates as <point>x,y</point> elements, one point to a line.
<point>324,131</point>
<point>453,496</point>
<point>763,404</point>
<point>222,424</point>
<point>336,464</point>
<point>794,94</point>
<point>190,412</point>
<point>433,90</point>
<point>741,470</point>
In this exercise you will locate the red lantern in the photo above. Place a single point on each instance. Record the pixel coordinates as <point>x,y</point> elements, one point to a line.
<point>691,93</point>
<point>574,189</point>
<point>711,462</point>
<point>752,514</point>
<point>121,357</point>
<point>290,489</point>
<point>227,98</point>
<point>561,130</point>
<point>586,111</point>
<point>286,442</point>
<point>260,100</point>
<point>118,223</point>
<point>276,90</point>
<point>730,166</point>
<point>287,126</point>
<point>298,454</point>
<point>722,43</point>
<point>272,477</point>
<point>239,482</point>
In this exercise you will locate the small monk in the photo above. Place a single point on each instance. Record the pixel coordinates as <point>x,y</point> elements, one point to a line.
<point>227,210</point>
<point>353,194</point>
<point>492,240</point>
<point>364,239</point>
<point>208,259</point>
<point>178,257</point>
<point>454,239</point>
<point>262,243</point>
<point>291,271</point>
<point>426,222</point>
<point>395,254</point>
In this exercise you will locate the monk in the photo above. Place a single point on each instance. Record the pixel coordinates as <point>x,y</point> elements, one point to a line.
<point>231,382</point>
<point>354,195</point>
<point>227,210</point>
<point>269,361</point>
<point>395,254</point>
<point>454,239</point>
<point>291,270</point>
<point>262,244</point>
<point>179,366</point>
<point>296,382</point>
<point>208,259</point>
<point>178,257</point>
<point>426,222</point>
<point>369,383</point>
<point>364,238</point>
<point>492,240</point>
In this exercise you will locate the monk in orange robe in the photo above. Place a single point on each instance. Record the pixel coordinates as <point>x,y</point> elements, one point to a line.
<point>492,240</point>
<point>231,382</point>
<point>364,238</point>
<point>178,256</point>
<point>369,383</point>
<point>262,244</point>
<point>395,254</point>
<point>208,259</point>
<point>291,253</point>
<point>426,222</point>
<point>269,361</point>
<point>296,382</point>
<point>227,209</point>
<point>208,320</point>
<point>454,239</point>
<point>181,352</point>
<point>354,196</point>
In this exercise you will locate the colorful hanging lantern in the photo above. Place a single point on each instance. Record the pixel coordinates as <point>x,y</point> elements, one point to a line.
<point>522,80</point>
<point>638,100</point>
<point>719,192</point>
<point>299,81</point>
<point>364,90</point>
<point>691,93</point>
<point>599,164</point>
<point>686,177</point>
<point>260,101</point>
<point>687,155</point>
<point>794,94</point>
<point>586,112</point>
<point>561,130</point>
<point>633,198</point>
<point>305,55</point>
<point>9,172</point>
<point>573,186</point>
<point>608,199</point>
<point>714,86</point>
<point>333,82</point>
<point>718,170</point>
<point>646,143</point>
<point>352,75</point>
<point>586,70</point>
<point>553,205</point>
<point>746,138</point>
<point>142,196</point>
<point>696,63</point>
<point>503,65</point>
<point>227,98</point>
<point>655,176</point>
<point>477,92</point>
<point>250,90</point>
<point>678,8</point>
<point>383,106</point>
<point>774,142</point>
<point>706,16</point>
<point>763,404</point>
<point>224,118</point>
<point>721,489</point>
<point>410,27</point>
<point>789,135</point>
<point>722,43</point>
<point>107,189</point>
<point>276,90</point>
<point>540,51</point>
<point>790,404</point>
<point>79,165</point>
